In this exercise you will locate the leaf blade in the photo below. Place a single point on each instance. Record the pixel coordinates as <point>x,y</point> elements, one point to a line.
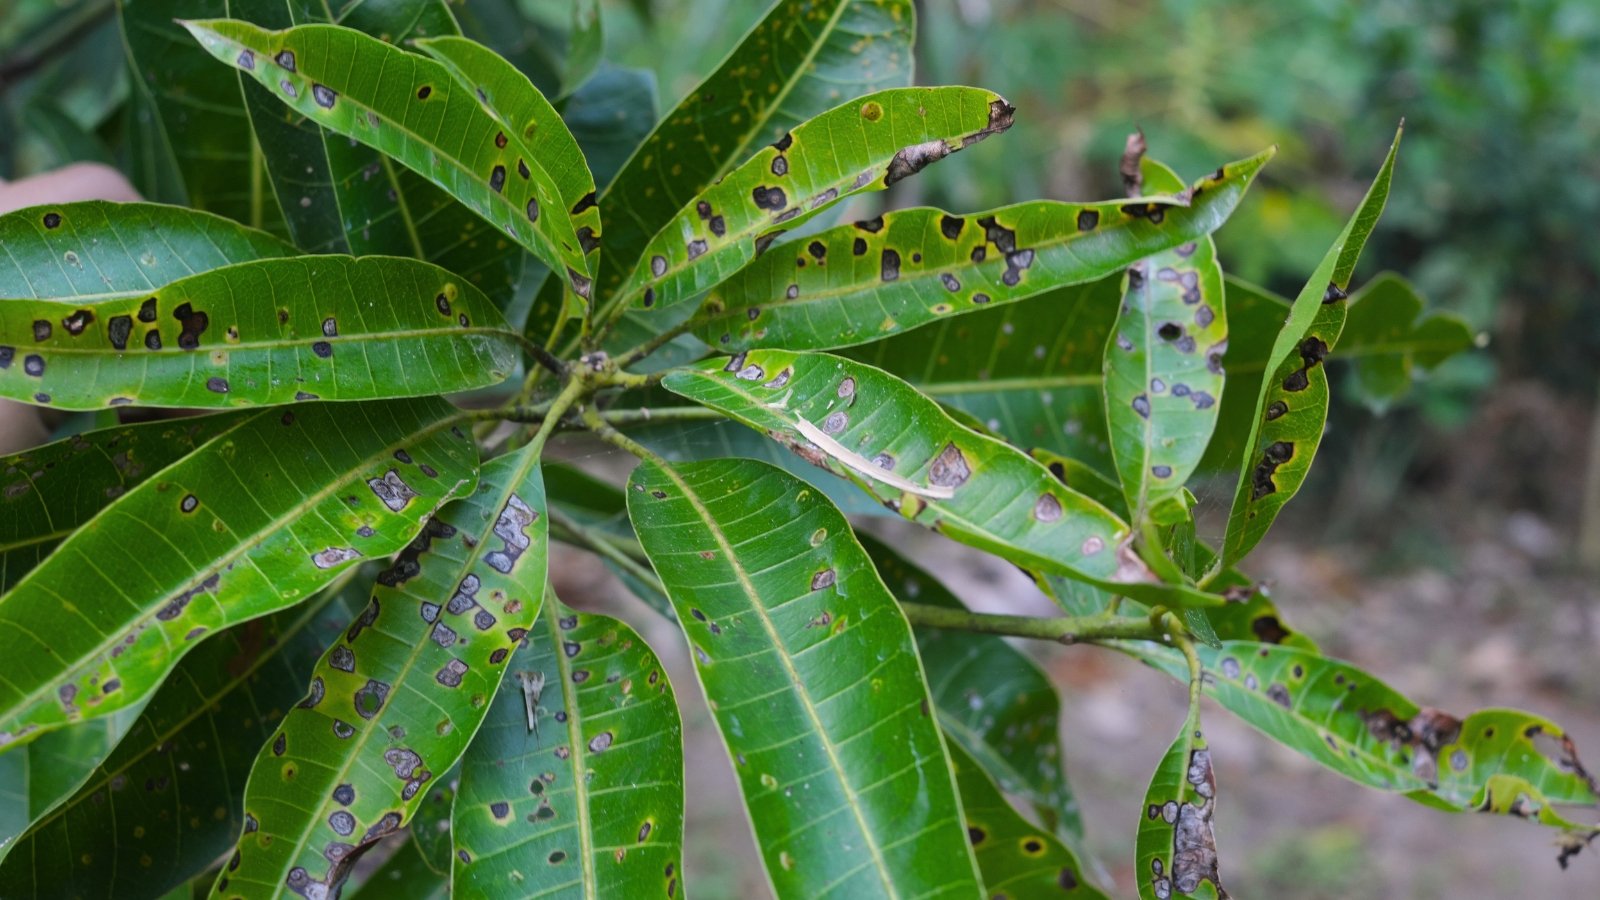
<point>139,612</point>
<point>801,678</point>
<point>858,283</point>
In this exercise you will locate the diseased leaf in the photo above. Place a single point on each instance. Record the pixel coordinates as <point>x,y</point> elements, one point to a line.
<point>1382,332</point>
<point>1293,405</point>
<point>83,252</point>
<point>1176,849</point>
<point>408,107</point>
<point>992,699</point>
<point>197,127</point>
<point>340,197</point>
<point>396,701</point>
<point>1015,858</point>
<point>263,514</point>
<point>518,107</point>
<point>861,282</point>
<point>46,493</point>
<point>166,803</point>
<point>802,59</point>
<point>1028,370</point>
<point>574,785</point>
<point>1495,760</point>
<point>866,425</point>
<point>1387,338</point>
<point>865,144</point>
<point>812,676</point>
<point>270,331</point>
<point>1163,368</point>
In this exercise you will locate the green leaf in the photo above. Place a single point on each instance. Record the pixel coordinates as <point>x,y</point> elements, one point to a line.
<point>861,282</point>
<point>47,492</point>
<point>166,803</point>
<point>519,108</point>
<point>868,426</point>
<point>430,825</point>
<point>398,699</point>
<point>1028,370</point>
<point>866,144</point>
<point>1015,858</point>
<point>68,141</point>
<point>339,197</point>
<point>797,62</point>
<point>813,678</point>
<point>1292,407</point>
<point>1387,338</point>
<point>588,802</point>
<point>263,514</point>
<point>992,699</point>
<point>83,252</point>
<point>38,777</point>
<point>1163,368</point>
<point>410,108</point>
<point>1496,760</point>
<point>1176,848</point>
<point>270,331</point>
<point>198,129</point>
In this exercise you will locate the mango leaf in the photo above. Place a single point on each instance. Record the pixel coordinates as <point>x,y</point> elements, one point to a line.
<point>1163,367</point>
<point>396,701</point>
<point>410,108</point>
<point>1176,847</point>
<point>181,770</point>
<point>66,140</point>
<point>1028,370</point>
<point>197,126</point>
<point>1388,339</point>
<point>1292,407</point>
<point>813,678</point>
<point>1015,858</point>
<point>868,426</point>
<point>574,785</point>
<point>270,331</point>
<point>241,527</point>
<point>1390,333</point>
<point>802,59</point>
<point>992,699</point>
<point>86,251</point>
<point>1496,760</point>
<point>866,144</point>
<point>518,107</point>
<point>430,824</point>
<point>47,492</point>
<point>585,44</point>
<point>39,776</point>
<point>861,282</point>
<point>340,197</point>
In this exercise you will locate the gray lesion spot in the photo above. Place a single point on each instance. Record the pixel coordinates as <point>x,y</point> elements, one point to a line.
<point>1047,508</point>
<point>450,675</point>
<point>404,762</point>
<point>1194,844</point>
<point>333,556</point>
<point>511,528</point>
<point>392,490</point>
<point>950,468</point>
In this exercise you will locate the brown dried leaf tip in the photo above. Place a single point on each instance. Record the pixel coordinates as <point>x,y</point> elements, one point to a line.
<point>1132,152</point>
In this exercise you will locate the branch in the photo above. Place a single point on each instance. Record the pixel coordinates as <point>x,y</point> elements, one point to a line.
<point>647,416</point>
<point>604,545</point>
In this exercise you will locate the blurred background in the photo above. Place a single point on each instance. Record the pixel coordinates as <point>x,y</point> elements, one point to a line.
<point>1449,544</point>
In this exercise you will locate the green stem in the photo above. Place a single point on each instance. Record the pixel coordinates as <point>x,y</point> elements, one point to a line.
<point>633,355</point>
<point>646,416</point>
<point>1062,630</point>
<point>603,545</point>
<point>603,430</point>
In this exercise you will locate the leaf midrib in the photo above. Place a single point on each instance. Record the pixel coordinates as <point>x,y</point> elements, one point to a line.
<point>801,693</point>
<point>580,750</point>
<point>369,337</point>
<point>29,701</point>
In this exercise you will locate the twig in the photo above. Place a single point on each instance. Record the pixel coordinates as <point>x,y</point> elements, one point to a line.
<point>1062,630</point>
